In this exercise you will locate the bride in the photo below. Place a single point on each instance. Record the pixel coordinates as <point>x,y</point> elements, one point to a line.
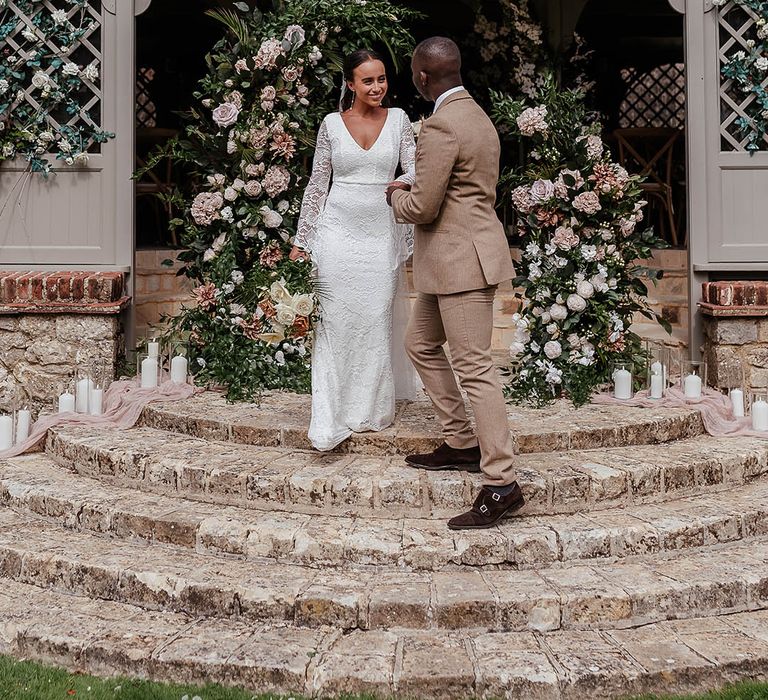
<point>359,365</point>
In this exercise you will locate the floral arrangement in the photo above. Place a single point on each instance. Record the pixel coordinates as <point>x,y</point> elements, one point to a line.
<point>271,80</point>
<point>42,86</point>
<point>510,42</point>
<point>748,69</point>
<point>578,215</point>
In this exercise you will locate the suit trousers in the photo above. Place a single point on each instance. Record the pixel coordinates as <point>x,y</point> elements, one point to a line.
<point>465,321</point>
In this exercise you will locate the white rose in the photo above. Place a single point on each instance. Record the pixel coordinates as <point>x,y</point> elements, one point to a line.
<point>285,314</point>
<point>227,214</point>
<point>270,217</point>
<point>27,33</point>
<point>59,17</point>
<point>558,312</point>
<point>70,69</point>
<point>230,194</point>
<point>283,205</point>
<point>576,303</point>
<point>516,348</point>
<point>91,72</point>
<point>278,292</point>
<point>295,34</point>
<point>303,304</point>
<point>553,349</point>
<point>238,184</point>
<point>585,289</point>
<point>226,114</point>
<point>40,79</point>
<point>4,85</point>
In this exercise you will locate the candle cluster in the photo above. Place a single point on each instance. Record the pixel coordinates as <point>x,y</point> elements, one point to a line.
<point>152,370</point>
<point>86,395</point>
<point>8,436</point>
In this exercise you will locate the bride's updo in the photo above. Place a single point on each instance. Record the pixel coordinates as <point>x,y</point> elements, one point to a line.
<point>352,61</point>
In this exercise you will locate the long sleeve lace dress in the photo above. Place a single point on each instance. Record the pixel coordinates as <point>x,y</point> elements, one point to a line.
<point>358,250</point>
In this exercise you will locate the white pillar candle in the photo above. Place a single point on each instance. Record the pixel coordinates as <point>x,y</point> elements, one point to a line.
<point>737,402</point>
<point>179,366</point>
<point>23,418</point>
<point>760,415</point>
<point>622,384</point>
<point>149,373</point>
<point>657,386</point>
<point>692,386</point>
<point>6,432</point>
<point>657,368</point>
<point>82,394</point>
<point>66,403</point>
<point>96,404</point>
<point>153,348</point>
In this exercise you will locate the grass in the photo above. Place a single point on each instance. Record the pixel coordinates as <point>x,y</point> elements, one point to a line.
<point>741,691</point>
<point>25,680</point>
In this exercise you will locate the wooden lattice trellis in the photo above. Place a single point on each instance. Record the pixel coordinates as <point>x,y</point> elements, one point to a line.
<point>737,25</point>
<point>654,98</point>
<point>87,50</point>
<point>146,111</point>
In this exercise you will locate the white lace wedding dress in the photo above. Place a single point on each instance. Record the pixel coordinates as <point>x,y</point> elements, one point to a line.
<point>359,365</point>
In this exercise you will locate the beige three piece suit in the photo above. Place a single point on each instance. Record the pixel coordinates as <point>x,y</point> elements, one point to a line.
<point>460,255</point>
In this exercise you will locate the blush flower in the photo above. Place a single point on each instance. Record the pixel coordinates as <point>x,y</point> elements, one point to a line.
<point>226,114</point>
<point>206,207</point>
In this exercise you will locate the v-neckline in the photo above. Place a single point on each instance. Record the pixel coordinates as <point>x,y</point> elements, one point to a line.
<point>355,141</point>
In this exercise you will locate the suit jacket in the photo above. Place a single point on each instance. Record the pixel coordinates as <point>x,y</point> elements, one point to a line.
<point>459,242</point>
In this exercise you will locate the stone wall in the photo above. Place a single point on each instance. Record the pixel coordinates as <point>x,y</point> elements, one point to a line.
<point>735,316</point>
<point>51,323</point>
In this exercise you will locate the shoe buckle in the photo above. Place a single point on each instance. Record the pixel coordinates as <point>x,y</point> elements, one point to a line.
<point>495,497</point>
<point>483,508</point>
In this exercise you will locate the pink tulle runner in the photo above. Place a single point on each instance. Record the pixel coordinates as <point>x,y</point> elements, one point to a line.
<point>715,408</point>
<point>123,403</point>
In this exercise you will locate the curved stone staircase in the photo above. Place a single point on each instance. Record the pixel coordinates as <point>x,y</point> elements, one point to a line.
<point>209,544</point>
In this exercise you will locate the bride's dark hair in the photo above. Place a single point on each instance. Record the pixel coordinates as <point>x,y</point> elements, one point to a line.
<point>352,61</point>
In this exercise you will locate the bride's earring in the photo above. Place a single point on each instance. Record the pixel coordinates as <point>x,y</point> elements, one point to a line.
<point>354,96</point>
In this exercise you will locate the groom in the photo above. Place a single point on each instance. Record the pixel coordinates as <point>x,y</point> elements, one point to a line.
<point>460,256</point>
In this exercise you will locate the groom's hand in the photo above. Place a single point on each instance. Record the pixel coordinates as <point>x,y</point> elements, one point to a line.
<point>397,185</point>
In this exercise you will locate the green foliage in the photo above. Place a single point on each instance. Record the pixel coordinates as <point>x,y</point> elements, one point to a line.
<point>577,215</point>
<point>248,146</point>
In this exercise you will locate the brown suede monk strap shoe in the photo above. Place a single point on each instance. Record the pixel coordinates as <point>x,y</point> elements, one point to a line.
<point>488,509</point>
<point>447,457</point>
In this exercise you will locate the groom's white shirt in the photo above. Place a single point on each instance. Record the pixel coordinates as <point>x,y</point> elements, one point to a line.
<point>445,95</point>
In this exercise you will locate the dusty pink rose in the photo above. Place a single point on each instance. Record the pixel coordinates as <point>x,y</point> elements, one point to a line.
<point>226,114</point>
<point>258,138</point>
<point>236,98</point>
<point>206,207</point>
<point>542,190</point>
<point>290,73</point>
<point>276,180</point>
<point>588,202</point>
<point>241,65</point>
<point>565,238</point>
<point>268,93</point>
<point>253,188</point>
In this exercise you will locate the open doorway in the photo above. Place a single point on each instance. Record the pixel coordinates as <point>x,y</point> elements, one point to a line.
<point>639,73</point>
<point>172,39</point>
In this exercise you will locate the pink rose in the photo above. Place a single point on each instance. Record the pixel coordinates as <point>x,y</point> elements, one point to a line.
<point>226,114</point>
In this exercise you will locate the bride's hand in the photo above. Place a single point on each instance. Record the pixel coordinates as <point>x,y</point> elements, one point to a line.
<point>298,254</point>
<point>396,185</point>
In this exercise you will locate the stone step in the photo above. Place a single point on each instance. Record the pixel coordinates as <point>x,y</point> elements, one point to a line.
<point>303,481</point>
<point>163,578</point>
<point>282,419</point>
<point>35,484</point>
<point>107,638</point>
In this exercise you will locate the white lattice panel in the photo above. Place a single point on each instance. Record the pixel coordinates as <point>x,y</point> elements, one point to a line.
<point>736,26</point>
<point>87,50</point>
